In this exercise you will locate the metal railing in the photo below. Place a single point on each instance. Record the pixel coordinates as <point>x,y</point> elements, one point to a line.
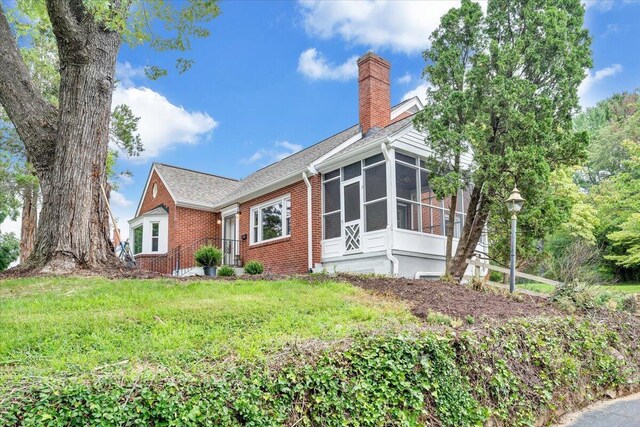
<point>181,260</point>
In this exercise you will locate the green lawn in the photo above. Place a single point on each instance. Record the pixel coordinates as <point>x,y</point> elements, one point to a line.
<point>624,287</point>
<point>74,326</point>
<point>548,289</point>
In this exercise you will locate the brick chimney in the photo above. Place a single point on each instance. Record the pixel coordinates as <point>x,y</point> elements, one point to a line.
<point>116,238</point>
<point>374,92</point>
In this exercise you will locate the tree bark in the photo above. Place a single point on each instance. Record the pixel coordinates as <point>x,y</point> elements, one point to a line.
<point>29,222</point>
<point>477,215</point>
<point>67,145</point>
<point>450,231</point>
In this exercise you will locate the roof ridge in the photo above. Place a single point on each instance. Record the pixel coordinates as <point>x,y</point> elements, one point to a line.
<point>300,151</point>
<point>195,171</point>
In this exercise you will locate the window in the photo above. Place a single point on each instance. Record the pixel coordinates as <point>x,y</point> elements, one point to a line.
<point>375,194</point>
<point>331,208</point>
<point>374,173</point>
<point>137,240</point>
<point>154,190</point>
<point>155,234</point>
<point>417,207</point>
<point>271,220</point>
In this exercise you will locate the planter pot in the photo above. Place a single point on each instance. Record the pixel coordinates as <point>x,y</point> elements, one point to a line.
<point>209,271</point>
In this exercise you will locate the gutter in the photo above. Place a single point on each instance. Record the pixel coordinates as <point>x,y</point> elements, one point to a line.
<point>395,263</point>
<point>309,223</point>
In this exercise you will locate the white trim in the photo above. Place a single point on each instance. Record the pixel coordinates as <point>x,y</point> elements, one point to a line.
<point>146,186</point>
<point>309,222</point>
<point>258,208</point>
<point>229,210</point>
<point>414,102</point>
<point>348,142</point>
<point>195,205</point>
<point>244,197</point>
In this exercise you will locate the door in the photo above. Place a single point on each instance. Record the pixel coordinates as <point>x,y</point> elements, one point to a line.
<point>352,216</point>
<point>230,249</point>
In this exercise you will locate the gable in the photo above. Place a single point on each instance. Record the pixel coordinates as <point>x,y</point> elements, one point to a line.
<point>162,196</point>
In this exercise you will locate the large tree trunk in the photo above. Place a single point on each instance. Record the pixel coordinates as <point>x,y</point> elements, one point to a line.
<point>29,221</point>
<point>68,144</point>
<point>477,215</point>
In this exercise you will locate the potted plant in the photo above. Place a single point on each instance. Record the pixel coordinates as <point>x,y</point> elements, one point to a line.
<point>208,257</point>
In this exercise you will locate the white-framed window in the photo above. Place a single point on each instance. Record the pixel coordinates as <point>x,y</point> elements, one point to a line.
<point>137,240</point>
<point>417,207</point>
<point>271,220</point>
<point>374,172</point>
<point>155,236</point>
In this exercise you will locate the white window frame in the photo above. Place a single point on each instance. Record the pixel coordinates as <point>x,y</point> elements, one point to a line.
<point>157,237</point>
<point>284,215</point>
<point>419,167</point>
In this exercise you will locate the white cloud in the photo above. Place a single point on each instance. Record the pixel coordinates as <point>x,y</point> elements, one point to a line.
<point>316,67</point>
<point>406,79</point>
<point>119,199</point>
<point>420,91</point>
<point>280,150</point>
<point>587,98</point>
<point>127,73</point>
<point>601,5</point>
<point>402,26</point>
<point>162,124</point>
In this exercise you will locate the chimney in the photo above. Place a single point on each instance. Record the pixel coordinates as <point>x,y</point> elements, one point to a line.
<point>116,238</point>
<point>374,92</point>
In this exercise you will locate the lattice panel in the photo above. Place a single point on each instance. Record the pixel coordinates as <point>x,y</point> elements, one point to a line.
<point>352,237</point>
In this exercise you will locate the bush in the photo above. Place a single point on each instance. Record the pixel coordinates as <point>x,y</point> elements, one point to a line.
<point>208,256</point>
<point>226,271</point>
<point>254,267</point>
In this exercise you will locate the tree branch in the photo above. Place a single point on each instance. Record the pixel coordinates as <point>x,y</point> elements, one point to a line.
<point>35,119</point>
<point>65,17</point>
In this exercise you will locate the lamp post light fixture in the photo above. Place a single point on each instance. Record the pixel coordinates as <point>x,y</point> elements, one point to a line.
<point>514,204</point>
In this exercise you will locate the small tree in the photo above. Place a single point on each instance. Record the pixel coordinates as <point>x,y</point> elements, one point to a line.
<point>519,93</point>
<point>9,249</point>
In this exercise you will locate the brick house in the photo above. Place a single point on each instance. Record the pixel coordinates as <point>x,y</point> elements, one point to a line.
<point>357,201</point>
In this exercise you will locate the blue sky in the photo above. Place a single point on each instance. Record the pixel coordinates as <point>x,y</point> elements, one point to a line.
<point>275,77</point>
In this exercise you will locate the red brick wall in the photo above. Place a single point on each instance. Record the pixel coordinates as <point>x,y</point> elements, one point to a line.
<point>374,92</point>
<point>287,255</point>
<point>186,225</point>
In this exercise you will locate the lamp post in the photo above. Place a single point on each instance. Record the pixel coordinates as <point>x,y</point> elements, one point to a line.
<point>514,204</point>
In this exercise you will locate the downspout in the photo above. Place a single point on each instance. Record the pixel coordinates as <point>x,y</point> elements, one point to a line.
<point>395,263</point>
<point>309,224</point>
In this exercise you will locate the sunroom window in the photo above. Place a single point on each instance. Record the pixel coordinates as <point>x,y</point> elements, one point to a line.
<point>155,236</point>
<point>417,207</point>
<point>271,220</point>
<point>349,202</point>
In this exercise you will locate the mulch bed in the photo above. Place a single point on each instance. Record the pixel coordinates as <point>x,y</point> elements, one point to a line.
<point>458,301</point>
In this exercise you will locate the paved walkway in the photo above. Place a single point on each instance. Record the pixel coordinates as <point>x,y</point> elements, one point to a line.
<point>623,412</point>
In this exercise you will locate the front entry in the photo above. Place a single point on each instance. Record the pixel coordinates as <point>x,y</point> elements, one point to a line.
<point>352,223</point>
<point>230,246</point>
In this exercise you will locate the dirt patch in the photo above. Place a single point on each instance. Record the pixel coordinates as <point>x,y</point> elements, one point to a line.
<point>459,301</point>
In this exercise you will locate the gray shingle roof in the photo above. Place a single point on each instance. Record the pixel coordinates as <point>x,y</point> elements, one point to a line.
<point>197,187</point>
<point>297,162</point>
<point>378,133</point>
<point>159,210</point>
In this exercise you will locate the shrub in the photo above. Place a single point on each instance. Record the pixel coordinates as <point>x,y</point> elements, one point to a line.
<point>226,271</point>
<point>254,267</point>
<point>208,256</point>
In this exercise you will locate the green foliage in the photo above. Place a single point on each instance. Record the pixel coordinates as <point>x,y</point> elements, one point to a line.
<point>627,238</point>
<point>226,271</point>
<point>510,375</point>
<point>506,84</point>
<point>254,267</point>
<point>9,249</point>
<point>208,256</point>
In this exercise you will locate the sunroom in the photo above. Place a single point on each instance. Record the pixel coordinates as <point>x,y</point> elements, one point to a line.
<point>379,213</point>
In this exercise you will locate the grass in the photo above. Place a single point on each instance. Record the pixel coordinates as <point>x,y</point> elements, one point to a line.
<point>72,326</point>
<point>624,287</point>
<point>548,289</point>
